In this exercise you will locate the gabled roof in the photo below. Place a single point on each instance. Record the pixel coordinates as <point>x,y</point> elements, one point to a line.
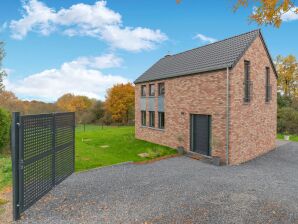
<point>214,56</point>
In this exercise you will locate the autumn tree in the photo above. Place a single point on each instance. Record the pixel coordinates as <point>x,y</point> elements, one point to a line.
<point>78,104</point>
<point>120,100</point>
<point>287,69</point>
<point>267,12</point>
<point>2,72</point>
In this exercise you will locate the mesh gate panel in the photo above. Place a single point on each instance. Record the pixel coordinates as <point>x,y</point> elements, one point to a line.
<point>64,135</point>
<point>46,154</point>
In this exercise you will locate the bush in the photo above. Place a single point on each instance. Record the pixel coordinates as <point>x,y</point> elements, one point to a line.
<point>287,120</point>
<point>4,128</point>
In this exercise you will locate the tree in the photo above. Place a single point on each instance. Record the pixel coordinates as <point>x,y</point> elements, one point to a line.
<point>267,12</point>
<point>2,72</point>
<point>78,104</point>
<point>287,69</point>
<point>120,101</point>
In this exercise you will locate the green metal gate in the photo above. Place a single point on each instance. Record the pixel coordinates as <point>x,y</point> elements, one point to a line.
<point>43,154</point>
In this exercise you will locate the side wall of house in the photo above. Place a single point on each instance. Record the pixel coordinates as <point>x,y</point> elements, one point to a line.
<point>253,124</point>
<point>195,94</point>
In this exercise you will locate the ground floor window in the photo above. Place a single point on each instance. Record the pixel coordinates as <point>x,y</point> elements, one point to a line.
<point>161,120</point>
<point>143,117</point>
<point>151,119</point>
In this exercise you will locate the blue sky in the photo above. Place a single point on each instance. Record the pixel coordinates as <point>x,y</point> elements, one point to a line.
<point>85,47</point>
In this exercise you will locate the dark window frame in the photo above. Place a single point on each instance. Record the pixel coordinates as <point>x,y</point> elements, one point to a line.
<point>161,120</point>
<point>143,118</point>
<point>161,91</point>
<point>143,90</point>
<point>247,82</point>
<point>152,119</point>
<point>152,87</point>
<point>268,87</point>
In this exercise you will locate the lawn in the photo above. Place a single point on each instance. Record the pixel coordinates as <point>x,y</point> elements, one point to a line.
<point>97,146</point>
<point>293,138</point>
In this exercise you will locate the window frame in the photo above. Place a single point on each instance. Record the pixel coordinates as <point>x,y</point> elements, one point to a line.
<point>152,119</point>
<point>152,87</point>
<point>143,118</point>
<point>267,85</point>
<point>161,125</point>
<point>143,90</point>
<point>160,93</point>
<point>247,82</point>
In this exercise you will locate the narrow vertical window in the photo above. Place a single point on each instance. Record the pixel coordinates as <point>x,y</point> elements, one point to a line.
<point>151,119</point>
<point>161,89</point>
<point>247,83</point>
<point>161,120</point>
<point>143,90</point>
<point>151,90</point>
<point>268,86</point>
<point>143,117</point>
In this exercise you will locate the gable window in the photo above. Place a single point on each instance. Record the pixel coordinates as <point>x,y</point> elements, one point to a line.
<point>143,117</point>
<point>161,89</point>
<point>143,90</point>
<point>151,90</point>
<point>151,119</point>
<point>247,82</point>
<point>161,120</point>
<point>268,86</point>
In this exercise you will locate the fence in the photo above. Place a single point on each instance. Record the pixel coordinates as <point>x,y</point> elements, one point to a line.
<point>43,154</point>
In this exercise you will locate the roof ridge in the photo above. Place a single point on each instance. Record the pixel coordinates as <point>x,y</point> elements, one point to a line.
<point>259,30</point>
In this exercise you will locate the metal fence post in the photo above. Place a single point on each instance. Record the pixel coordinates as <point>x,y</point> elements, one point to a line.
<point>15,163</point>
<point>53,149</point>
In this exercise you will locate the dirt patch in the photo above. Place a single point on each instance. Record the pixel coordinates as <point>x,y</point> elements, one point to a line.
<point>6,206</point>
<point>156,159</point>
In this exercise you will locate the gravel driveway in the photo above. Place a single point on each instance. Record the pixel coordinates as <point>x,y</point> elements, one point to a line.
<point>178,190</point>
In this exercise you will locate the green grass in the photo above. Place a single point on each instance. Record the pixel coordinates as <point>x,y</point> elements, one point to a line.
<point>111,145</point>
<point>5,171</point>
<point>293,138</point>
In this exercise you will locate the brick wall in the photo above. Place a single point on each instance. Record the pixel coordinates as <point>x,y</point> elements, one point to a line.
<point>253,125</point>
<point>195,94</point>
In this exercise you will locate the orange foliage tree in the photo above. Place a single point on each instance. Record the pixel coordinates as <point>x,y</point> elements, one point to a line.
<point>120,102</point>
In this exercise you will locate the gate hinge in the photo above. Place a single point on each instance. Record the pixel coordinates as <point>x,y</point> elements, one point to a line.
<point>21,164</point>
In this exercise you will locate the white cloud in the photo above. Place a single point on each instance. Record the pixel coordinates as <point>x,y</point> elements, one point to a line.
<point>204,39</point>
<point>290,15</point>
<point>80,77</point>
<point>85,20</point>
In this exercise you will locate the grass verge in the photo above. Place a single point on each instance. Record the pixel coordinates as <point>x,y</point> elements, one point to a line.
<point>293,138</point>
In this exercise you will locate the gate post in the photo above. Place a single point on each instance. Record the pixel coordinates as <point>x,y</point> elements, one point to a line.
<point>15,163</point>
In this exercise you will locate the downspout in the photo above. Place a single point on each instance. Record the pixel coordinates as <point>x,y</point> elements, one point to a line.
<point>227,117</point>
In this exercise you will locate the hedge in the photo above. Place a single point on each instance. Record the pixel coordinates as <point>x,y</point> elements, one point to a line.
<point>287,120</point>
<point>4,129</point>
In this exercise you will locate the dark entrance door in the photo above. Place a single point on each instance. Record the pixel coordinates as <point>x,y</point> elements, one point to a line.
<point>200,134</point>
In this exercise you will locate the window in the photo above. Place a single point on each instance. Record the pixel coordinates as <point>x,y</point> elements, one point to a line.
<point>247,83</point>
<point>151,90</point>
<point>151,119</point>
<point>161,89</point>
<point>143,117</point>
<point>268,86</point>
<point>143,90</point>
<point>161,120</point>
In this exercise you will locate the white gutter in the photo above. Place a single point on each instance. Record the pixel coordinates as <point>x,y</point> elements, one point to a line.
<point>228,117</point>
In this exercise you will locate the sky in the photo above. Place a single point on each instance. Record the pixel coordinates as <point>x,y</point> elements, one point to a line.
<point>84,47</point>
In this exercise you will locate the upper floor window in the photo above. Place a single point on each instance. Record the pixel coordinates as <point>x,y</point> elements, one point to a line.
<point>161,89</point>
<point>247,82</point>
<point>143,90</point>
<point>151,90</point>
<point>268,87</point>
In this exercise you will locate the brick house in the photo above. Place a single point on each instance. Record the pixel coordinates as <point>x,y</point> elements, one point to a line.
<point>217,100</point>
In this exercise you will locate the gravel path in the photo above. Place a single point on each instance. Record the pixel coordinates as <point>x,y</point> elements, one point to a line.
<point>178,190</point>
